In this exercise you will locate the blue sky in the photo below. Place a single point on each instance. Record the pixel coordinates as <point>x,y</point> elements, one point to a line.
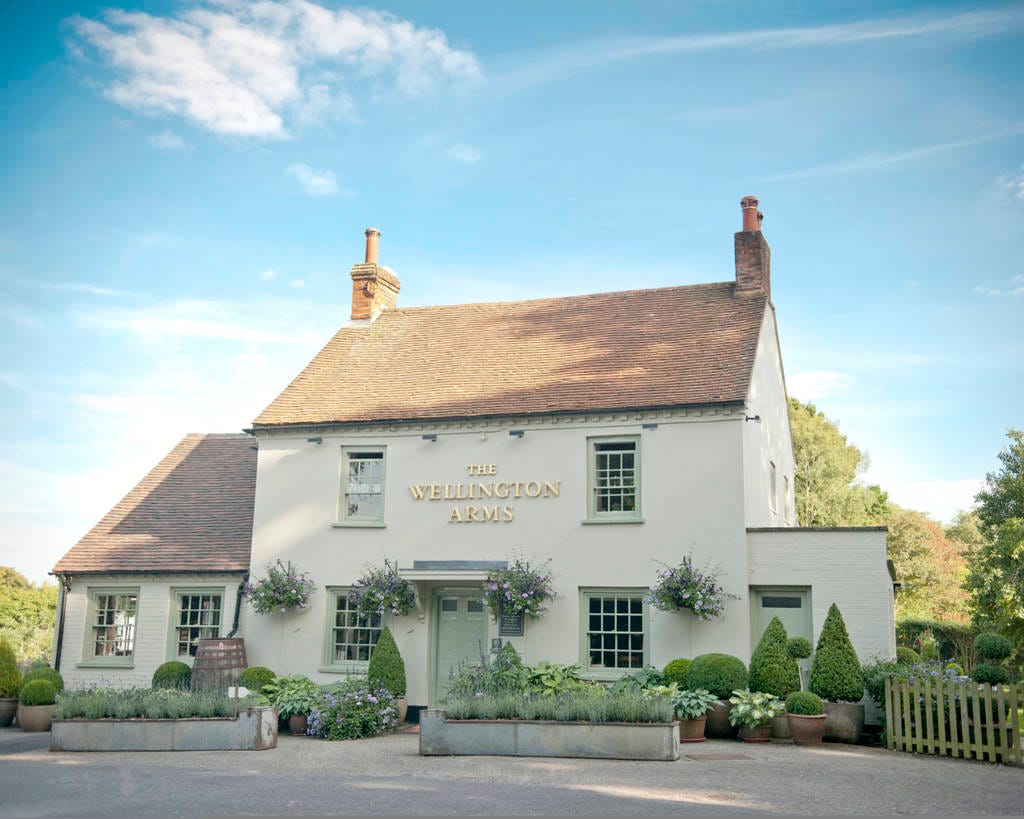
<point>186,187</point>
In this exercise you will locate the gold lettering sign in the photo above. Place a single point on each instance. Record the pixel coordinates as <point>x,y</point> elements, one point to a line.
<point>481,491</point>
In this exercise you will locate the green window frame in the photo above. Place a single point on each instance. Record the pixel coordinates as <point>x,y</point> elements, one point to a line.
<point>613,479</point>
<point>348,639</point>
<point>614,631</point>
<point>363,474</point>
<point>111,627</point>
<point>196,614</point>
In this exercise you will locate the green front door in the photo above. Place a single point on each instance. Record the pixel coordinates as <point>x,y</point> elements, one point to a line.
<point>792,605</point>
<point>461,619</point>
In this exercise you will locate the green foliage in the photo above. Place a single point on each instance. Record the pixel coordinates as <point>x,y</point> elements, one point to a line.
<point>10,677</point>
<point>173,674</point>
<point>295,694</point>
<point>643,679</point>
<point>51,675</point>
<point>799,648</point>
<point>552,679</point>
<point>37,692</point>
<point>804,703</point>
<point>721,674</point>
<point>772,670</point>
<point>875,671</point>
<point>953,640</point>
<point>27,614</point>
<point>380,589</point>
<point>754,708</point>
<point>504,674</point>
<point>255,677</point>
<point>589,704</point>
<point>907,656</point>
<point>146,703</point>
<point>995,578</point>
<point>836,674</point>
<point>991,645</point>
<point>387,669</point>
<point>675,671</point>
<point>990,673</point>
<point>352,710</point>
<point>693,704</point>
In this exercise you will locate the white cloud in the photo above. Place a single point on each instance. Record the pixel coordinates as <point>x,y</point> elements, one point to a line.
<point>1014,288</point>
<point>464,153</point>
<point>75,287</point>
<point>817,384</point>
<point>940,499</point>
<point>167,141</point>
<point>315,183</point>
<point>297,282</point>
<point>268,274</point>
<point>1014,184</point>
<point>245,69</point>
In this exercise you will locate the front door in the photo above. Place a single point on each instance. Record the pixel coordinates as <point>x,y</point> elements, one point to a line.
<point>792,605</point>
<point>461,618</point>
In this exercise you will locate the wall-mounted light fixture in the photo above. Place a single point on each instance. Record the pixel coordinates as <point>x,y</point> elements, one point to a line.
<point>752,418</point>
<point>430,436</point>
<point>314,440</point>
<point>517,433</point>
<point>650,426</point>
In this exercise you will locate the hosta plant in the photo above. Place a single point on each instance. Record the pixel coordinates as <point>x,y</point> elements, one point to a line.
<point>694,704</point>
<point>752,709</point>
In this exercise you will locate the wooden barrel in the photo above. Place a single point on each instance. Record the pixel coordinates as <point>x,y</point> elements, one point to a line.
<point>218,663</point>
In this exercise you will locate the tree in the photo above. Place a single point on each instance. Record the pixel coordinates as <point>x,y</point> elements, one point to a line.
<point>27,614</point>
<point>995,578</point>
<point>931,567</point>
<point>826,472</point>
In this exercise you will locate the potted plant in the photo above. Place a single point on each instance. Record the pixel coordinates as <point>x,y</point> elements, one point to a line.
<point>283,589</point>
<point>686,587</point>
<point>10,680</point>
<point>380,590</point>
<point>692,712</point>
<point>721,674</point>
<point>837,677</point>
<point>295,697</point>
<point>387,670</point>
<point>37,703</point>
<point>752,712</point>
<point>519,589</point>
<point>805,714</point>
<point>774,671</point>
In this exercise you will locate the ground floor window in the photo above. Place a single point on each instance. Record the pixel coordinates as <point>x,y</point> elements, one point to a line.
<point>614,629</point>
<point>199,617</point>
<point>112,621</point>
<point>350,638</point>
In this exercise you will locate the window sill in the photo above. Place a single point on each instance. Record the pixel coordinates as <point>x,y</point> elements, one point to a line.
<point>358,524</point>
<point>130,664</point>
<point>602,521</point>
<point>358,669</point>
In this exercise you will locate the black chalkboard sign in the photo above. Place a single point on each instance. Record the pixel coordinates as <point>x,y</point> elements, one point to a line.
<point>510,623</point>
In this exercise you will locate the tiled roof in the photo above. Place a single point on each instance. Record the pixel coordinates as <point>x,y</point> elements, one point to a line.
<point>191,513</point>
<point>672,346</point>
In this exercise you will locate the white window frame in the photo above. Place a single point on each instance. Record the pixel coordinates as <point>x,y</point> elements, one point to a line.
<point>618,516</point>
<point>346,666</point>
<point>89,655</point>
<point>343,517</point>
<point>773,489</point>
<point>177,597</point>
<point>633,594</point>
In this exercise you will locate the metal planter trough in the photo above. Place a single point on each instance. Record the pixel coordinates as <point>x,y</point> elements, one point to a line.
<point>254,729</point>
<point>440,736</point>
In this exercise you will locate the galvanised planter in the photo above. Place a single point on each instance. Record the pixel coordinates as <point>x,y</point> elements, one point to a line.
<point>440,736</point>
<point>255,729</point>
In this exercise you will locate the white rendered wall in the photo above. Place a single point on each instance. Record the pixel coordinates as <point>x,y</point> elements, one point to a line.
<point>156,607</point>
<point>691,498</point>
<point>842,566</point>
<point>768,440</point>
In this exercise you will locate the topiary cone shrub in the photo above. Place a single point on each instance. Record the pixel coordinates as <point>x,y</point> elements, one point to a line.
<point>772,670</point>
<point>836,673</point>
<point>387,669</point>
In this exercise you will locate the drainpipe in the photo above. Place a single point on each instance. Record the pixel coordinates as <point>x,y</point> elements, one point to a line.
<point>238,605</point>
<point>65,587</point>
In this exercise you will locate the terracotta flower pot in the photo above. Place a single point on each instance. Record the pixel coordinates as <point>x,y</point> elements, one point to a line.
<point>297,725</point>
<point>8,708</point>
<point>844,721</point>
<point>692,730</point>
<point>35,717</point>
<point>806,729</point>
<point>718,726</point>
<point>760,733</point>
<point>780,728</point>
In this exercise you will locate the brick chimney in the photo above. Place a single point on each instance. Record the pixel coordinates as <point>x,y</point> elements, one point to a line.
<point>753,256</point>
<point>374,287</point>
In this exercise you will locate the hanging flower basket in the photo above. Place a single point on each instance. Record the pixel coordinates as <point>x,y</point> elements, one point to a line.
<point>283,589</point>
<point>381,589</point>
<point>685,587</point>
<point>519,589</point>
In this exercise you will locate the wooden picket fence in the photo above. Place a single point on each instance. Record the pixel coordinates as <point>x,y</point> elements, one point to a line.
<point>965,719</point>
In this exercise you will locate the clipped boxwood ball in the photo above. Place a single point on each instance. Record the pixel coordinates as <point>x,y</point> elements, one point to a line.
<point>805,704</point>
<point>38,692</point>
<point>721,674</point>
<point>172,675</point>
<point>990,673</point>
<point>675,672</point>
<point>51,675</point>
<point>992,646</point>
<point>907,656</point>
<point>799,648</point>
<point>255,677</point>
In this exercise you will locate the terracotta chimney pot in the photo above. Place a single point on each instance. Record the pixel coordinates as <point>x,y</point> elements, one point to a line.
<point>751,216</point>
<point>372,240</point>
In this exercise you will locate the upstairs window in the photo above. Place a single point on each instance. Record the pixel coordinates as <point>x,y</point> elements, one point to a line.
<point>614,491</point>
<point>362,490</point>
